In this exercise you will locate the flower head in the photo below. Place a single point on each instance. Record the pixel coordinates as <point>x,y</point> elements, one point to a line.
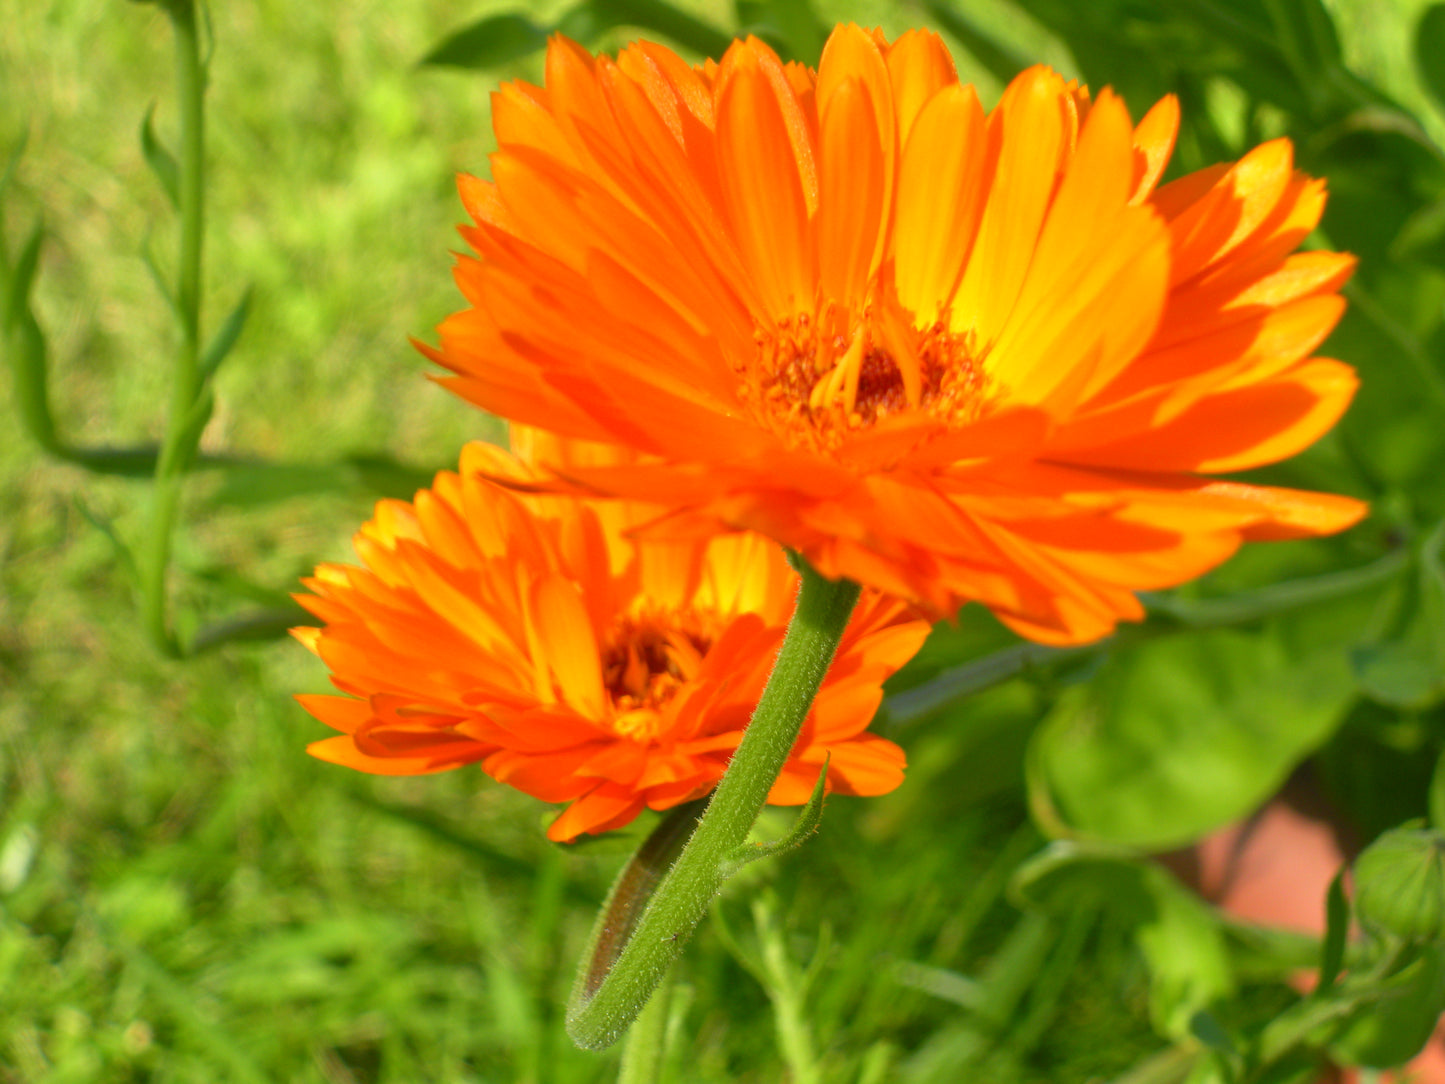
<point>951,354</point>
<point>531,635</point>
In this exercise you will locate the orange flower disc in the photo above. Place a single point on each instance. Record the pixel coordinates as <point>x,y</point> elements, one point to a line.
<point>951,354</point>
<point>528,634</point>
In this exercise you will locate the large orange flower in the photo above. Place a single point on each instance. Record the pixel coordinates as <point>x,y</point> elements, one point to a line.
<point>529,634</point>
<point>951,354</point>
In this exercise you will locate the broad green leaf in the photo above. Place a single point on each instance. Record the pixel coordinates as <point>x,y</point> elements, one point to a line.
<point>1430,51</point>
<point>1179,736</point>
<point>161,161</point>
<point>489,43</point>
<point>1176,932</point>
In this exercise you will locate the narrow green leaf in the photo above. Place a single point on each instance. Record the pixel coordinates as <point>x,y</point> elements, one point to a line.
<point>123,552</point>
<point>1430,51</point>
<point>161,161</point>
<point>22,277</point>
<point>488,43</point>
<point>24,342</point>
<point>226,338</point>
<point>806,824</point>
<point>1337,932</point>
<point>158,278</point>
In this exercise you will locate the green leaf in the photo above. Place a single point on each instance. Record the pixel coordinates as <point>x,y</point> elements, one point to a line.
<point>161,161</point>
<point>1437,795</point>
<point>1430,51</point>
<point>806,824</point>
<point>1179,736</point>
<point>1406,668</point>
<point>1337,932</point>
<point>1000,60</point>
<point>1391,1030</point>
<point>225,339</point>
<point>790,26</point>
<point>1422,237</point>
<point>1178,935</point>
<point>489,43</point>
<point>21,278</point>
<point>662,18</point>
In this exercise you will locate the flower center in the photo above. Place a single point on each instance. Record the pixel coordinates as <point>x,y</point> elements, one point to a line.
<point>815,378</point>
<point>646,659</point>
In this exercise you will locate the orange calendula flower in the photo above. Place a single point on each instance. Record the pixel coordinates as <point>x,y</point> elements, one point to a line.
<point>949,353</point>
<point>530,635</point>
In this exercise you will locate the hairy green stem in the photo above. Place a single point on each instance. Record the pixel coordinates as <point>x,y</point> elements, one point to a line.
<point>605,1001</point>
<point>187,387</point>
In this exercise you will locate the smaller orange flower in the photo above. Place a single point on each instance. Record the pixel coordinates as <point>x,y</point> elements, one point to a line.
<point>529,634</point>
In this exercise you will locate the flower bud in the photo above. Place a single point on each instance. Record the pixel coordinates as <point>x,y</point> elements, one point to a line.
<point>1400,885</point>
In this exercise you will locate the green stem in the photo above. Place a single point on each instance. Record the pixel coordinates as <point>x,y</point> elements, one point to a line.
<point>642,1054</point>
<point>183,424</point>
<point>605,1002</point>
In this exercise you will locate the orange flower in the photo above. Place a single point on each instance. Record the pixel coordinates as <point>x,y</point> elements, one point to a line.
<point>950,354</point>
<point>529,634</point>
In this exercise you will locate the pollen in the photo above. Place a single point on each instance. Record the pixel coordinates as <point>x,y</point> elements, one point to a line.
<point>814,379</point>
<point>646,659</point>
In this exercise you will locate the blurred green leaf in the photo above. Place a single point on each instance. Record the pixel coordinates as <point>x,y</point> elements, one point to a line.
<point>661,18</point>
<point>24,342</point>
<point>19,279</point>
<point>1422,237</point>
<point>1176,932</point>
<point>1307,35</point>
<point>790,26</point>
<point>1337,932</point>
<point>506,38</point>
<point>161,161</point>
<point>1000,60</point>
<point>1430,51</point>
<point>1391,1030</point>
<point>1179,736</point>
<point>489,43</point>
<point>225,341</point>
<point>249,485</point>
<point>1437,795</point>
<point>1406,667</point>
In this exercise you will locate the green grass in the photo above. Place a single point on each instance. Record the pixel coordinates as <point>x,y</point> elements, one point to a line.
<point>184,894</point>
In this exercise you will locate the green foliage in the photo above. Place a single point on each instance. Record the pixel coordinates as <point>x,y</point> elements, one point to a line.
<point>185,896</point>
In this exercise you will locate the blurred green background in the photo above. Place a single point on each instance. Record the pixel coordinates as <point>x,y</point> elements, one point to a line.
<point>186,896</point>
